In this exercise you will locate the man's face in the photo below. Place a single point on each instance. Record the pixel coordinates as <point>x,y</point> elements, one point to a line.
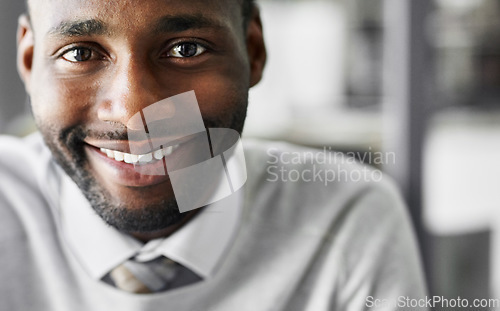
<point>90,65</point>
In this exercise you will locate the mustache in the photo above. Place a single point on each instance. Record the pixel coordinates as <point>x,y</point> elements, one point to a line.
<point>75,134</point>
<point>78,133</point>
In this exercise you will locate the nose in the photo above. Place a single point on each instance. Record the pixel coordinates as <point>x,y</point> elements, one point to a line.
<point>130,87</point>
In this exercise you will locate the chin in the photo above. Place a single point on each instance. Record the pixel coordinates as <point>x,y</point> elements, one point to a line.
<point>149,217</point>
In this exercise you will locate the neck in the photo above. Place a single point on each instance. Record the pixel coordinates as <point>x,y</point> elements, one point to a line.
<point>163,233</point>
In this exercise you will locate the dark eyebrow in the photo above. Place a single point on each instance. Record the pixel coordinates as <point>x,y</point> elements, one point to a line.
<point>166,24</point>
<point>79,28</point>
<point>179,23</point>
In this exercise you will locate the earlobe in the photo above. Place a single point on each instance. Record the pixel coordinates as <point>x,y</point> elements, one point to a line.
<point>256,48</point>
<point>25,49</point>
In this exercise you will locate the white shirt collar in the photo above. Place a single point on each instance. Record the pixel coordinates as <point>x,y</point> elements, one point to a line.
<point>199,245</point>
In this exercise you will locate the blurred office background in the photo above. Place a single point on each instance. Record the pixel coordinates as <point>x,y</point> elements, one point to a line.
<point>418,78</point>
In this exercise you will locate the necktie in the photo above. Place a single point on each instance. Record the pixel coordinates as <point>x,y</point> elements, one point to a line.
<point>153,276</point>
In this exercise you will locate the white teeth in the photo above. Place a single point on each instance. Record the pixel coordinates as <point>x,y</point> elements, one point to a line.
<point>141,158</point>
<point>145,158</point>
<point>135,158</point>
<point>158,154</point>
<point>131,158</point>
<point>119,156</point>
<point>167,151</point>
<point>127,158</point>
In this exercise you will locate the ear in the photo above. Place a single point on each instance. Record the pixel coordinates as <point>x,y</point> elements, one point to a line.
<point>256,47</point>
<point>25,49</point>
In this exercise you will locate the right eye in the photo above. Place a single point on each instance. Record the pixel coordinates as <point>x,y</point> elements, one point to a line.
<point>186,50</point>
<point>79,54</point>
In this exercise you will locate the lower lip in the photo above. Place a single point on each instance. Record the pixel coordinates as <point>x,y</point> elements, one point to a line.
<point>125,174</point>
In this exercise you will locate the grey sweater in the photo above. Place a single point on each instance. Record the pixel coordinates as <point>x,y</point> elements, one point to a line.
<point>302,245</point>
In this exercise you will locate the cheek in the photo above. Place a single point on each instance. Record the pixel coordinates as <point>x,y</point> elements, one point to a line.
<point>221,93</point>
<point>221,99</point>
<point>60,103</point>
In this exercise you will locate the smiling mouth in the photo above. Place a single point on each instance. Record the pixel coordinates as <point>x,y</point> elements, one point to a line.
<point>139,158</point>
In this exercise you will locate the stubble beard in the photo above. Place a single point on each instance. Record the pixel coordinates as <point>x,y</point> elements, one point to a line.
<point>67,147</point>
<point>69,154</point>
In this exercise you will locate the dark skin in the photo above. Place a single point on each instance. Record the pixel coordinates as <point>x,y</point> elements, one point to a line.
<point>89,66</point>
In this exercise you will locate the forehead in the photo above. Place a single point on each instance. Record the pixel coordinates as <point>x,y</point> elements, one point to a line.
<point>127,15</point>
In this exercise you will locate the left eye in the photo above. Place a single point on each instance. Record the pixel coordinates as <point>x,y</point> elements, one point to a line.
<point>78,55</point>
<point>187,49</point>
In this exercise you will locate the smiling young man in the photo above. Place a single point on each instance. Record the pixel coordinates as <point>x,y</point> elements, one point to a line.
<point>84,227</point>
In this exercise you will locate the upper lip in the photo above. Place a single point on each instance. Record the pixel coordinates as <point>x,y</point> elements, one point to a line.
<point>139,147</point>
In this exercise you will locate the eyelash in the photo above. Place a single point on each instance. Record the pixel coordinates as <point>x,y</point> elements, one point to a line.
<point>170,47</point>
<point>96,53</point>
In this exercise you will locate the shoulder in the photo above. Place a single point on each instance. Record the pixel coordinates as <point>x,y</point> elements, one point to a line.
<point>316,189</point>
<point>299,177</point>
<point>356,212</point>
<point>19,154</point>
<point>312,175</point>
<point>24,161</point>
<point>27,173</point>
